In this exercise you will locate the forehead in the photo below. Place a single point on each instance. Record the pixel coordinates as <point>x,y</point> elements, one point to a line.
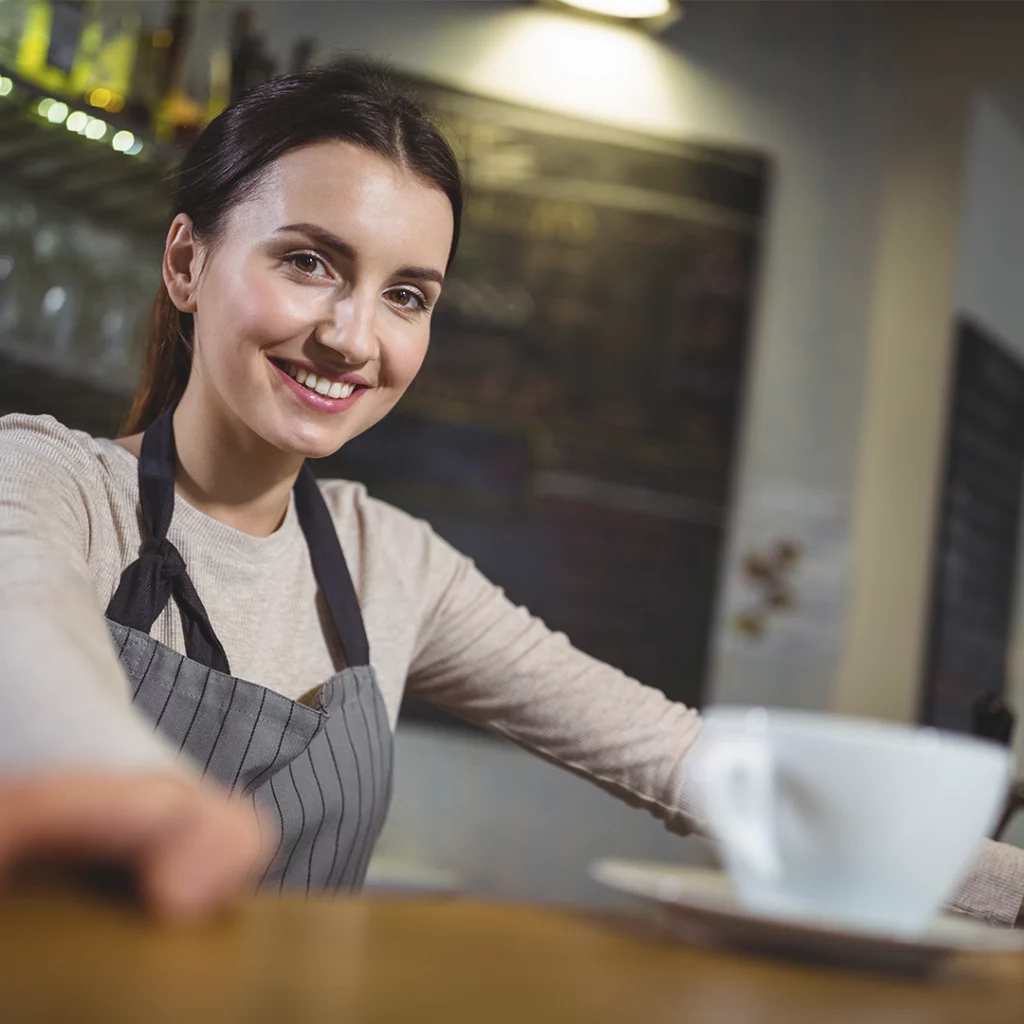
<point>380,208</point>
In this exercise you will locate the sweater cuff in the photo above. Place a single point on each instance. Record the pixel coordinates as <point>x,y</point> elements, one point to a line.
<point>994,889</point>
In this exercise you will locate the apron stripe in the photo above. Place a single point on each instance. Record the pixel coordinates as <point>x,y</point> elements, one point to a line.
<point>341,807</point>
<point>199,704</point>
<point>359,808</point>
<point>220,729</point>
<point>364,854</point>
<point>252,732</point>
<point>302,824</point>
<point>323,818</point>
<point>170,693</point>
<point>281,833</point>
<point>145,674</point>
<point>270,769</point>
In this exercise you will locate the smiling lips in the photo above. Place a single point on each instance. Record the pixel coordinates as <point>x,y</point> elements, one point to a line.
<point>321,385</point>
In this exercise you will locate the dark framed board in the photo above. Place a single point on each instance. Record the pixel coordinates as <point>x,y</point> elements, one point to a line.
<point>574,427</point>
<point>975,558</point>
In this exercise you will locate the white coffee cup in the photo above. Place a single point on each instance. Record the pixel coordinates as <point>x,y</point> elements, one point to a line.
<point>856,823</point>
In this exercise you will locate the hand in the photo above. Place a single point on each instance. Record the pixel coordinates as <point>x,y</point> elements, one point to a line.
<point>189,847</point>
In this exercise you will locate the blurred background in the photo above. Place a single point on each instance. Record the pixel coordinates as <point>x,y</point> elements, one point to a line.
<point>727,382</point>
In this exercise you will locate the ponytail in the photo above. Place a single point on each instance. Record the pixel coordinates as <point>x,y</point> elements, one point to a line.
<point>167,362</point>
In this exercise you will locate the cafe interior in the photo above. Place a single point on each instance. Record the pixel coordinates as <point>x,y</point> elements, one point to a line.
<point>723,384</point>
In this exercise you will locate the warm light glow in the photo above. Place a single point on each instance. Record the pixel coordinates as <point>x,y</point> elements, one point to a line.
<point>115,104</point>
<point>123,141</point>
<point>6,85</point>
<point>95,129</point>
<point>56,112</point>
<point>77,121</point>
<point>623,8</point>
<point>99,97</point>
<point>582,67</point>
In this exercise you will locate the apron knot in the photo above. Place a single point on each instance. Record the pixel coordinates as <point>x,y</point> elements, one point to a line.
<point>171,564</point>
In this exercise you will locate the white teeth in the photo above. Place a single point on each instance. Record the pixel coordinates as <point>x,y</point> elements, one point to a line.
<point>321,385</point>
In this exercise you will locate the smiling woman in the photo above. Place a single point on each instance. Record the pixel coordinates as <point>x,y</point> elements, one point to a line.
<point>196,634</point>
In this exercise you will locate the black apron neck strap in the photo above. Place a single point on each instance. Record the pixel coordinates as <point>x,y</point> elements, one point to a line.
<point>157,467</point>
<point>330,568</point>
<point>160,574</point>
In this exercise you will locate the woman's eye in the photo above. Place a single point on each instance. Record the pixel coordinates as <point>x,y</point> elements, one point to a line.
<point>305,262</point>
<point>406,298</point>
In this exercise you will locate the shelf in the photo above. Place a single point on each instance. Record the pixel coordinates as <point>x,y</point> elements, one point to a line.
<point>132,193</point>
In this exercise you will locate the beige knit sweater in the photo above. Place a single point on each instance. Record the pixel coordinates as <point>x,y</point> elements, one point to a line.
<point>437,629</point>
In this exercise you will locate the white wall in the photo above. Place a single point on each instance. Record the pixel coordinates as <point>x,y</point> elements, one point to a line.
<point>990,280</point>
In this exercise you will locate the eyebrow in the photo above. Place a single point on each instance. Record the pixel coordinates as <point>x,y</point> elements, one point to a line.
<point>331,241</point>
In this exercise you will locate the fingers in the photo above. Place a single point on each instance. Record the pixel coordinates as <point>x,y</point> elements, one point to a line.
<point>190,848</point>
<point>197,868</point>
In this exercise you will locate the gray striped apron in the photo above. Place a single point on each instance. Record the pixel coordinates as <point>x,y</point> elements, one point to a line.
<point>321,772</point>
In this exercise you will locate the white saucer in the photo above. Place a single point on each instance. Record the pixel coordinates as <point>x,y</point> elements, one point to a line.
<point>702,907</point>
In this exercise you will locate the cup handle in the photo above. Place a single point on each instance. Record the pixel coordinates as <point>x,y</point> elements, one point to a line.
<point>738,781</point>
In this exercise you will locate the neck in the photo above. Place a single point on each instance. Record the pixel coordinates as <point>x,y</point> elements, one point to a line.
<point>226,471</point>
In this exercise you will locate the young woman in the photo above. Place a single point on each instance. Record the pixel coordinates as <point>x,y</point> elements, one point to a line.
<point>190,589</point>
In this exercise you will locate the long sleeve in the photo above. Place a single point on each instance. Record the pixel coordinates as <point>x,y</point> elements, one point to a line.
<point>63,695</point>
<point>481,657</point>
<point>485,659</point>
<point>994,889</point>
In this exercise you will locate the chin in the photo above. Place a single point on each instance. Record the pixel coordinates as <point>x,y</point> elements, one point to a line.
<point>306,441</point>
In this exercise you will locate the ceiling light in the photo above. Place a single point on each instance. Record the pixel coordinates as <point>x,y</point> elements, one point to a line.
<point>632,9</point>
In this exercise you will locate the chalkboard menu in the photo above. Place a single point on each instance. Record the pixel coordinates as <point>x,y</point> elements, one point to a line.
<point>574,426</point>
<point>976,546</point>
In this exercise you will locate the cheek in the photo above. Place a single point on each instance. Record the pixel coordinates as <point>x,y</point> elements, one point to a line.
<point>255,308</point>
<point>405,355</point>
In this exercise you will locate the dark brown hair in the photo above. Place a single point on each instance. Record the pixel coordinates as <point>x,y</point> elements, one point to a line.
<point>354,101</point>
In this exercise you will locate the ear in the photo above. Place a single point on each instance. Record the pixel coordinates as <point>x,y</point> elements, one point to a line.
<point>182,262</point>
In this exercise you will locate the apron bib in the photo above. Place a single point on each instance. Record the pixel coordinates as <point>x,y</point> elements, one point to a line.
<point>321,773</point>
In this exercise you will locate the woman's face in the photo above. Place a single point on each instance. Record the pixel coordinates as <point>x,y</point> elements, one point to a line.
<point>331,268</point>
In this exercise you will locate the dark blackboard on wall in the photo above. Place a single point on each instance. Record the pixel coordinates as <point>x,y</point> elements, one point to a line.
<point>975,560</point>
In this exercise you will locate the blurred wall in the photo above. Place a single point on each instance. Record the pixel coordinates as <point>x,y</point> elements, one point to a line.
<point>989,284</point>
<point>930,256</point>
<point>989,288</point>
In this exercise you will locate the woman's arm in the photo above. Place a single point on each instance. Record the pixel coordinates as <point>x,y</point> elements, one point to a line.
<point>82,775</point>
<point>994,889</point>
<point>64,699</point>
<point>484,659</point>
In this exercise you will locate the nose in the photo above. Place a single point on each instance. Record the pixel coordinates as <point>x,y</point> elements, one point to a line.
<point>348,328</point>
